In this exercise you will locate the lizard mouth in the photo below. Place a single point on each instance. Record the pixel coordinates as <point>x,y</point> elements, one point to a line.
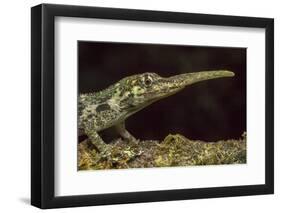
<point>183,80</point>
<point>176,83</point>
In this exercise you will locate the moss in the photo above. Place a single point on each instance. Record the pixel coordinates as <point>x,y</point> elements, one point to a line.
<point>174,150</point>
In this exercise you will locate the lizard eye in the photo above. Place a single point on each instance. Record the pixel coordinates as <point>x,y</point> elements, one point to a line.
<point>148,81</point>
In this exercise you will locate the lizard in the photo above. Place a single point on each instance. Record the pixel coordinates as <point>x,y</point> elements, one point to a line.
<point>110,107</point>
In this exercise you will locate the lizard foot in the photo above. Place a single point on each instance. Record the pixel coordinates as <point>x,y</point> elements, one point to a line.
<point>106,152</point>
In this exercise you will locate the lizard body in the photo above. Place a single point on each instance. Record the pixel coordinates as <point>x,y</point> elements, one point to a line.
<point>113,105</point>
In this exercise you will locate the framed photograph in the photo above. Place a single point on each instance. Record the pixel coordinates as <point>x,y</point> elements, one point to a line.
<point>139,106</point>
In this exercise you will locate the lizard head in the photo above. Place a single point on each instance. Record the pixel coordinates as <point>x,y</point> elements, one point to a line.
<point>141,90</point>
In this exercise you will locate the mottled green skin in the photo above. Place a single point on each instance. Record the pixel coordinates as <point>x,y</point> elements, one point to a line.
<point>113,105</point>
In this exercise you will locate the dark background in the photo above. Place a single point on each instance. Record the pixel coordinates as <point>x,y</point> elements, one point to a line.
<point>209,110</point>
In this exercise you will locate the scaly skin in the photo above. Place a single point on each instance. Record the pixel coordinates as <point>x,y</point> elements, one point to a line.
<point>113,105</point>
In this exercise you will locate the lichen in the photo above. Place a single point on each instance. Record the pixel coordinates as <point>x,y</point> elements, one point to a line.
<point>174,150</point>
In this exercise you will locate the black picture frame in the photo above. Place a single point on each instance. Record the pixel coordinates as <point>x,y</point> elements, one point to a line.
<point>43,117</point>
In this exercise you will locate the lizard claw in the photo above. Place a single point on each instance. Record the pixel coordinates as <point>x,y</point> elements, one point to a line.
<point>133,141</point>
<point>106,152</point>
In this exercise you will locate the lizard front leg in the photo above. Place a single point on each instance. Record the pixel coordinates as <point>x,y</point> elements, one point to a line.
<point>97,141</point>
<point>124,133</point>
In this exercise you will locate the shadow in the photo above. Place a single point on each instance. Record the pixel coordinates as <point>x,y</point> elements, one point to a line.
<point>25,200</point>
